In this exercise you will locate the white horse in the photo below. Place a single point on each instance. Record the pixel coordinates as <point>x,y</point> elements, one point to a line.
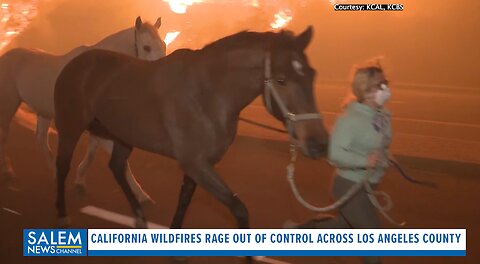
<point>29,76</point>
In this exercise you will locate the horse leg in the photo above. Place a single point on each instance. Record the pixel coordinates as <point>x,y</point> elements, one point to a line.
<point>205,176</point>
<point>141,195</point>
<point>66,147</point>
<point>186,193</point>
<point>43,125</point>
<point>118,165</point>
<point>9,103</point>
<point>80,179</point>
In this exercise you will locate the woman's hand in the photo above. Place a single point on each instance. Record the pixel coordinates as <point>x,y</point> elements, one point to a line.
<point>373,159</point>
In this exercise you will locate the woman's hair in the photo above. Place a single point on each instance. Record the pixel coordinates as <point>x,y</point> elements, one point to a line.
<point>360,79</point>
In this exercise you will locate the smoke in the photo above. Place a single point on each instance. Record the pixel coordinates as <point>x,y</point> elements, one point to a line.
<point>431,43</point>
<point>62,25</point>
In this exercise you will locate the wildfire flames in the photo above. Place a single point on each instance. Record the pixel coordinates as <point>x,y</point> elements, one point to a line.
<point>279,20</point>
<point>15,17</point>
<point>17,14</point>
<point>180,6</point>
<point>282,18</point>
<point>171,36</point>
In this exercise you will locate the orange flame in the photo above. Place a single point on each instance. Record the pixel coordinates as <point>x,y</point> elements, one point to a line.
<point>180,6</point>
<point>171,36</point>
<point>16,15</point>
<point>282,18</point>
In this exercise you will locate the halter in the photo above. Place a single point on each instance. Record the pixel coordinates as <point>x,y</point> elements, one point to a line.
<point>271,91</point>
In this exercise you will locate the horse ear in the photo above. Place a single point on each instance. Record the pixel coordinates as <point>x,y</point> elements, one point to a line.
<point>304,38</point>
<point>138,23</point>
<point>158,23</point>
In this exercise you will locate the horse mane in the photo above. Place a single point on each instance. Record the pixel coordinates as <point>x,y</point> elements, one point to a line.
<point>249,38</point>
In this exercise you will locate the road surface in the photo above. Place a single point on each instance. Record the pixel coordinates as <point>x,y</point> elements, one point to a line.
<point>255,169</point>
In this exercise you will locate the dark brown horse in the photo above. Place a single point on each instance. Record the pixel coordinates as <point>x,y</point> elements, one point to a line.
<point>186,106</point>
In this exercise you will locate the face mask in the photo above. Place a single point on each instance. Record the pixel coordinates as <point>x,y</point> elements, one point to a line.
<point>382,95</point>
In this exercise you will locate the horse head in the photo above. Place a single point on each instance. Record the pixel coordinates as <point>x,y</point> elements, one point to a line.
<point>289,94</point>
<point>148,44</point>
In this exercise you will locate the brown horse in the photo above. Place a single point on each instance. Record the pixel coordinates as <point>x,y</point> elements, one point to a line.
<point>186,106</point>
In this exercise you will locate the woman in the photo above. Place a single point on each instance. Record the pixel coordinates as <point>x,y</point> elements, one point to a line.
<point>359,149</point>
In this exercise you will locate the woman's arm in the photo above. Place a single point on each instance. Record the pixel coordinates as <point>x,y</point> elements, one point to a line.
<point>340,153</point>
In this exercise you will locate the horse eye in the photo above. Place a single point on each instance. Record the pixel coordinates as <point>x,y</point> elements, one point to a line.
<point>147,48</point>
<point>281,81</point>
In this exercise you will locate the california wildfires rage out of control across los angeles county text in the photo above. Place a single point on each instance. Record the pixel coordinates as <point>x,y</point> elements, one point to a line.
<point>276,238</point>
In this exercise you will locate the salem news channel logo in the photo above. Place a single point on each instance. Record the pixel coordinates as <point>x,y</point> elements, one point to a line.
<point>368,7</point>
<point>54,242</point>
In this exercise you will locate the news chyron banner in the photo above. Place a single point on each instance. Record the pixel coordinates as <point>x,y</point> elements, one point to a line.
<point>244,242</point>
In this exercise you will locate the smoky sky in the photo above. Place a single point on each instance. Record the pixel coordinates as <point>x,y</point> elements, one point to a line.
<point>429,43</point>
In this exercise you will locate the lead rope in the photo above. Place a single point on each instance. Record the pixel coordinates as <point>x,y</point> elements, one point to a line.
<point>291,179</point>
<point>372,195</point>
<point>392,161</point>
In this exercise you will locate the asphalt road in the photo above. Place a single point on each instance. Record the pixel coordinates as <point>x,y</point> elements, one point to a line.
<point>253,168</point>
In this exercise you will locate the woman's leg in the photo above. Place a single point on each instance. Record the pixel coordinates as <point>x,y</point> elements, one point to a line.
<point>358,212</point>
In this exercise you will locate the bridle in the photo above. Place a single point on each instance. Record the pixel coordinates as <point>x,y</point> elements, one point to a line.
<point>271,92</point>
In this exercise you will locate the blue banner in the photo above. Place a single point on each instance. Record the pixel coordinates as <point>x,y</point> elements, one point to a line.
<point>54,242</point>
<point>244,242</point>
<point>279,253</point>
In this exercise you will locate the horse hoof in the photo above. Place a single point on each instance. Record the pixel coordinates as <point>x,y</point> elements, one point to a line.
<point>64,222</point>
<point>81,189</point>
<point>140,223</point>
